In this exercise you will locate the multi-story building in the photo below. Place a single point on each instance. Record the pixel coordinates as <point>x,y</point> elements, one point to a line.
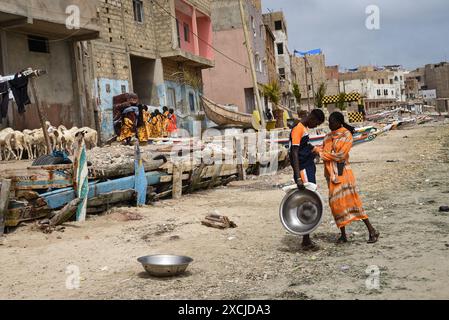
<point>437,78</point>
<point>156,49</point>
<point>412,89</point>
<point>332,80</point>
<point>230,81</point>
<point>270,55</point>
<point>40,34</point>
<point>277,23</point>
<point>310,73</point>
<point>378,87</point>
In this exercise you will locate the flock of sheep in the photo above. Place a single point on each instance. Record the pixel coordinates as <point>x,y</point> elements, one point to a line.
<point>14,144</point>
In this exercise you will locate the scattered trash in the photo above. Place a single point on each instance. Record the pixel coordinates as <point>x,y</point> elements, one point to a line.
<point>104,268</point>
<point>218,222</point>
<point>231,238</point>
<point>392,161</point>
<point>345,268</point>
<point>444,209</point>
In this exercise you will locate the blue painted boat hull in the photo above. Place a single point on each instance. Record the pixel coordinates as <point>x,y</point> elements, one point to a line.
<point>59,198</point>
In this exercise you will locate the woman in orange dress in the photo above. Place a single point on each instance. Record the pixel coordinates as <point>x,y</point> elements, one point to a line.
<point>344,200</point>
<point>172,125</point>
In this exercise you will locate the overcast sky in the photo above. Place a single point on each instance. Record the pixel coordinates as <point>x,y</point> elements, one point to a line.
<point>412,33</point>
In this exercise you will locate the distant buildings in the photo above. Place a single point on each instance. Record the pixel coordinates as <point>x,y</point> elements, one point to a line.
<point>332,80</point>
<point>378,86</point>
<point>230,81</point>
<point>430,84</point>
<point>310,73</point>
<point>277,23</point>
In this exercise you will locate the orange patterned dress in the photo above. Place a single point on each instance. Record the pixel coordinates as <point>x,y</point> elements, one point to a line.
<point>344,200</point>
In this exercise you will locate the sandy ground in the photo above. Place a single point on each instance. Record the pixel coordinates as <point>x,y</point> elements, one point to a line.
<point>403,177</point>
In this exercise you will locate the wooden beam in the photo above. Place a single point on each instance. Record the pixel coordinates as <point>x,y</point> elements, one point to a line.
<point>177,180</point>
<point>4,202</point>
<point>13,23</point>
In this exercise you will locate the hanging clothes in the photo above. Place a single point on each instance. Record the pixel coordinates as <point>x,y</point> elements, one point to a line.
<point>19,88</point>
<point>4,99</point>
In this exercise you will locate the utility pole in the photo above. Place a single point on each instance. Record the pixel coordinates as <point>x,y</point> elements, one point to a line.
<point>307,83</point>
<point>253,68</point>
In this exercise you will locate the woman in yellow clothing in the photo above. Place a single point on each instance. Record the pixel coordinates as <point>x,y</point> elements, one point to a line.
<point>345,202</point>
<point>128,128</point>
<point>165,121</point>
<point>143,132</point>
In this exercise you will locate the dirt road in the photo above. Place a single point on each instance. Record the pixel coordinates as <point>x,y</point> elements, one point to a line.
<point>403,177</point>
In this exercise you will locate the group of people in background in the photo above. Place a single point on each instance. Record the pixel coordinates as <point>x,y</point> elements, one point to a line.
<point>138,122</point>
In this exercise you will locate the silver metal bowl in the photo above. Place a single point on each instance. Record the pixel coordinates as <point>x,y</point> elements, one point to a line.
<point>165,265</point>
<point>301,211</point>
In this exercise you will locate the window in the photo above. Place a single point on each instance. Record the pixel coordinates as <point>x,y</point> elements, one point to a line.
<point>391,81</point>
<point>179,34</point>
<point>383,81</point>
<point>386,92</point>
<point>138,10</point>
<point>38,44</point>
<point>253,24</point>
<point>309,87</point>
<point>378,92</point>
<point>378,81</point>
<point>402,78</point>
<point>280,48</point>
<point>282,73</point>
<point>186,32</point>
<point>278,25</point>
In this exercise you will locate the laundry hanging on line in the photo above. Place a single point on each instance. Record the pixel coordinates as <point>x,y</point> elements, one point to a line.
<point>4,99</point>
<point>19,88</point>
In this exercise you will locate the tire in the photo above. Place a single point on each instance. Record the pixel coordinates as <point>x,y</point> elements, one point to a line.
<point>48,160</point>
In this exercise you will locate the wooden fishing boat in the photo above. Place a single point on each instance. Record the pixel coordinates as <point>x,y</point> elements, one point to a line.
<point>224,117</point>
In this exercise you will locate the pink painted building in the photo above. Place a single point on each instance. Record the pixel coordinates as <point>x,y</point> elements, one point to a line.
<point>230,82</point>
<point>194,30</point>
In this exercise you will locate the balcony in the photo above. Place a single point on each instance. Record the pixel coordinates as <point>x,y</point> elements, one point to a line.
<point>48,18</point>
<point>194,34</point>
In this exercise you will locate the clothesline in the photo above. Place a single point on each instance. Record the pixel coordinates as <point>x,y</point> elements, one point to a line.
<point>26,72</point>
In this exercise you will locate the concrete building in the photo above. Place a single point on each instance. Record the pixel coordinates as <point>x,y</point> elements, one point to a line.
<point>310,73</point>
<point>150,48</point>
<point>378,87</point>
<point>412,88</point>
<point>277,23</point>
<point>230,81</point>
<point>437,78</point>
<point>41,35</point>
<point>332,80</point>
<point>270,54</point>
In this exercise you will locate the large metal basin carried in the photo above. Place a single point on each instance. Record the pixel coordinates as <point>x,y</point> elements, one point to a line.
<point>165,265</point>
<point>301,211</point>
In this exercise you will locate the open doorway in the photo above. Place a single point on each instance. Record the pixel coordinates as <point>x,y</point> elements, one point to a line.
<point>142,70</point>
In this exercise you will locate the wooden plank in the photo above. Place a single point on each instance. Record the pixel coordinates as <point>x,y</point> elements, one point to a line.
<point>40,177</point>
<point>196,177</point>
<point>177,180</point>
<point>169,178</point>
<point>140,178</point>
<point>216,176</point>
<point>4,202</point>
<point>111,198</point>
<point>239,159</point>
<point>81,181</point>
